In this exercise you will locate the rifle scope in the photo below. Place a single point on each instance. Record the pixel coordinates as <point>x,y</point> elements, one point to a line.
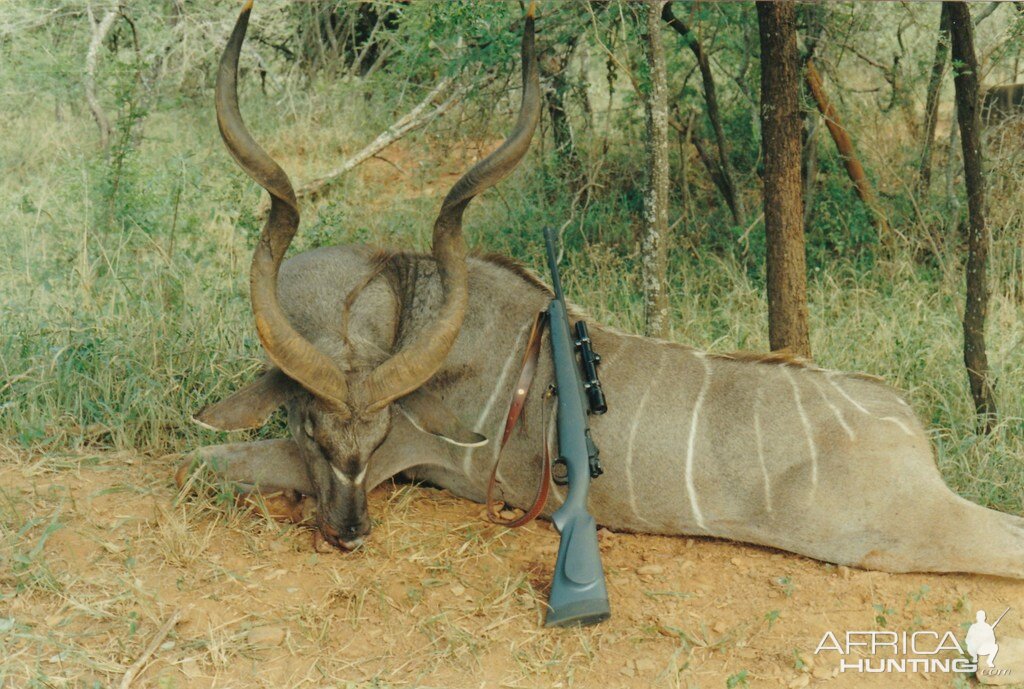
<point>589,359</point>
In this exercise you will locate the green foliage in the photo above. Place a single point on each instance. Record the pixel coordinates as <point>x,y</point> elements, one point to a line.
<point>737,680</point>
<point>123,272</point>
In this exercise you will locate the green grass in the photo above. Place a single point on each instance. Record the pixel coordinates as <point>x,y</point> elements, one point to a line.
<point>124,312</point>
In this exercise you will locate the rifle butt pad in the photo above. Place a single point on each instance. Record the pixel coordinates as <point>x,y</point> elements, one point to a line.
<point>578,591</point>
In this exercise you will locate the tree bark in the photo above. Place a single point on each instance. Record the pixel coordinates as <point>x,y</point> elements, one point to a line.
<point>976,307</point>
<point>555,70</point>
<point>726,185</point>
<point>783,211</point>
<point>99,33</point>
<point>684,167</point>
<point>809,165</point>
<point>655,235</point>
<point>844,144</point>
<point>931,108</point>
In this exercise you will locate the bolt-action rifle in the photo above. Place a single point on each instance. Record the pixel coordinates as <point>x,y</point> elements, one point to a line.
<point>578,592</point>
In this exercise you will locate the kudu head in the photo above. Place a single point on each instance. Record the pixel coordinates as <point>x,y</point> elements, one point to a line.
<point>346,414</point>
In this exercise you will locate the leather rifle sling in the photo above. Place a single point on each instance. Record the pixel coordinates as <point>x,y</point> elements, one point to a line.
<point>515,410</point>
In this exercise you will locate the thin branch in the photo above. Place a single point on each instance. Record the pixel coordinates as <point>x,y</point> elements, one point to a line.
<point>99,34</point>
<point>154,644</point>
<point>711,99</point>
<point>844,145</point>
<point>421,115</point>
<point>987,12</point>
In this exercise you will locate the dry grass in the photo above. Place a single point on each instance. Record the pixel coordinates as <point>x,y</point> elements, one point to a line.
<point>122,314</point>
<point>98,553</point>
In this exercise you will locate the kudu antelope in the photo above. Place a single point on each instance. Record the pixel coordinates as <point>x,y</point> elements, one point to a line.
<point>765,450</point>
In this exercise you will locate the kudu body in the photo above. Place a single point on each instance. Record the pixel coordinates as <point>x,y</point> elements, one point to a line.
<point>830,465</point>
<point>758,449</point>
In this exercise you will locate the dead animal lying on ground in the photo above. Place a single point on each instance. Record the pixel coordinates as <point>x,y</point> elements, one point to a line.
<point>398,362</point>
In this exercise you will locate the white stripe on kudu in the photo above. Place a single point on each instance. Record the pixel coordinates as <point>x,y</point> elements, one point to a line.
<point>807,426</point>
<point>903,426</point>
<point>606,360</point>
<point>855,403</point>
<point>890,419</point>
<point>690,490</point>
<point>760,451</point>
<point>467,459</point>
<point>633,427</point>
<point>835,410</point>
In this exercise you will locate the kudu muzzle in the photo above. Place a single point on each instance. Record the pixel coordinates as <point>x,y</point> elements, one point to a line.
<point>343,518</point>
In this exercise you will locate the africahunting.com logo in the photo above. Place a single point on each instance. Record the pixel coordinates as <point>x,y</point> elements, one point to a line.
<point>921,651</point>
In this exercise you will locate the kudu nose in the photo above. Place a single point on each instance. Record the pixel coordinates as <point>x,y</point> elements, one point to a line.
<point>349,537</point>
<point>352,536</point>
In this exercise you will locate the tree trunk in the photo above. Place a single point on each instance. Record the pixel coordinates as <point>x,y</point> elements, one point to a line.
<point>655,233</point>
<point>931,108</point>
<point>726,185</point>
<point>683,184</point>
<point>555,71</point>
<point>809,164</point>
<point>783,211</point>
<point>844,145</point>
<point>966,82</point>
<point>99,33</point>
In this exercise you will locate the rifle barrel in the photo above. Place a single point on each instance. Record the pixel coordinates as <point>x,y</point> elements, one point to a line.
<point>550,239</point>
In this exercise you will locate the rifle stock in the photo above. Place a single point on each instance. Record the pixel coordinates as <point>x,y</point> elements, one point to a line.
<point>578,591</point>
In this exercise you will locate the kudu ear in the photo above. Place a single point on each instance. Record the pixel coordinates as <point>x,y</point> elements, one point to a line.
<point>429,414</point>
<point>251,406</point>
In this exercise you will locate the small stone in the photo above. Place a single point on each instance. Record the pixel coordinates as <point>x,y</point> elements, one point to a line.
<point>167,646</point>
<point>277,547</point>
<point>806,660</point>
<point>799,682</point>
<point>689,542</point>
<point>646,665</point>
<point>604,535</point>
<point>650,569</point>
<point>507,515</point>
<point>720,627</point>
<point>627,670</point>
<point>1009,663</point>
<point>844,571</point>
<point>736,562</point>
<point>265,636</point>
<point>458,590</point>
<point>190,668</point>
<point>112,548</point>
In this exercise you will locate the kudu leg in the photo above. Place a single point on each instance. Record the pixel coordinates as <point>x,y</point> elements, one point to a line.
<point>951,534</point>
<point>273,469</point>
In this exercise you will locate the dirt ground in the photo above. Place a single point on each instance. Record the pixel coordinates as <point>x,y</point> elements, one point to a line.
<point>99,552</point>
